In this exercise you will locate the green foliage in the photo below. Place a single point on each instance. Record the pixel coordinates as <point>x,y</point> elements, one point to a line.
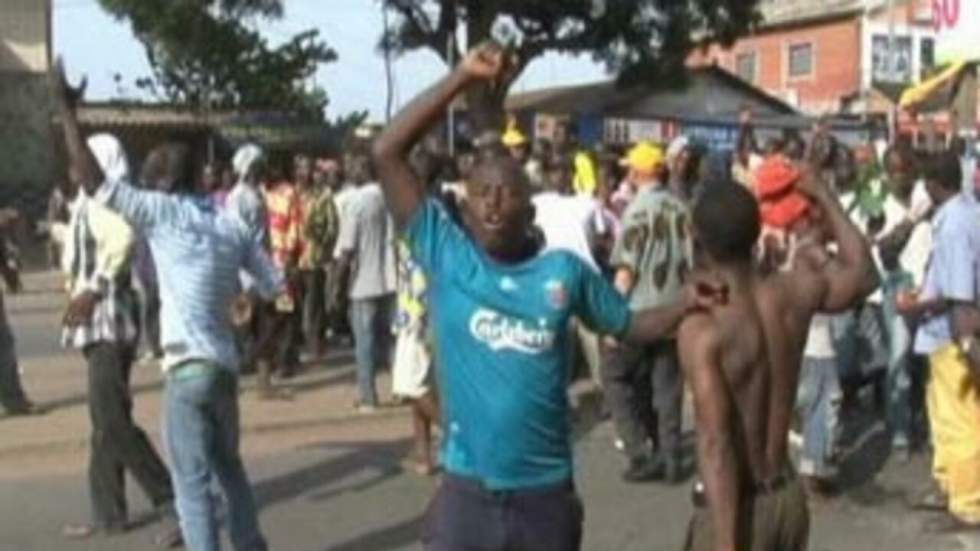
<point>634,39</point>
<point>202,53</point>
<point>871,191</point>
<point>345,125</point>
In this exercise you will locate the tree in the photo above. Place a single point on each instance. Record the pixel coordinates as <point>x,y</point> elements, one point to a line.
<point>635,39</point>
<point>203,54</point>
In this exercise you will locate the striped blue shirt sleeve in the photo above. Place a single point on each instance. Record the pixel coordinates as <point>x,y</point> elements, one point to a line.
<point>143,209</point>
<point>954,256</point>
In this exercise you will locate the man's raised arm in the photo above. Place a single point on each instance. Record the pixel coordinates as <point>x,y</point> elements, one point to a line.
<point>83,170</point>
<point>402,187</point>
<point>853,276</point>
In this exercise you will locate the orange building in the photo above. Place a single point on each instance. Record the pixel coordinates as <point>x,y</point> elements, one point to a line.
<point>841,57</point>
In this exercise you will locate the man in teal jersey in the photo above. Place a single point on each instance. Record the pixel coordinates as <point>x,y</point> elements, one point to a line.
<point>499,308</point>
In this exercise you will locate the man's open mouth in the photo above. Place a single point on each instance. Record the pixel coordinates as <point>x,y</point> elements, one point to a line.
<point>493,223</point>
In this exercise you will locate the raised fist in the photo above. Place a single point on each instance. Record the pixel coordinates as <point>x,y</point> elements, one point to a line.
<point>488,61</point>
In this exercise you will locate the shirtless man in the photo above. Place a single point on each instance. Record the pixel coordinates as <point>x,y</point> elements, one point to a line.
<point>742,358</point>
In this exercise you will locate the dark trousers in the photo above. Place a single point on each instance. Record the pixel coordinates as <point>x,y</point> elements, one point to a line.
<point>282,336</point>
<point>338,301</point>
<point>117,443</point>
<point>465,516</point>
<point>315,309</point>
<point>643,386</point>
<point>11,393</point>
<point>292,338</point>
<point>151,323</point>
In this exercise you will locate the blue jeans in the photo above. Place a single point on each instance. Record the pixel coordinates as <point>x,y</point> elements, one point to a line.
<point>818,402</point>
<point>371,320</point>
<point>899,410</point>
<point>201,431</point>
<point>860,344</point>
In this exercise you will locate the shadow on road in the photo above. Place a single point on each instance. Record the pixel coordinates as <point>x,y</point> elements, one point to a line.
<point>314,378</point>
<point>81,399</point>
<point>393,537</point>
<point>863,458</point>
<point>380,460</point>
<point>318,377</point>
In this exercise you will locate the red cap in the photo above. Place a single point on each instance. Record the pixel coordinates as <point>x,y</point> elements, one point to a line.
<point>780,205</point>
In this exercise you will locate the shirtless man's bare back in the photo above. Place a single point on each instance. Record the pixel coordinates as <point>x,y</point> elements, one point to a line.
<point>742,358</point>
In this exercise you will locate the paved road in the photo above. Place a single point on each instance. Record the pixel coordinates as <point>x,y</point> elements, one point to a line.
<point>340,486</point>
<point>348,494</point>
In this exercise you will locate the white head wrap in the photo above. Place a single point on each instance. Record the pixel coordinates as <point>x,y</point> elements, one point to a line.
<point>111,157</point>
<point>245,158</point>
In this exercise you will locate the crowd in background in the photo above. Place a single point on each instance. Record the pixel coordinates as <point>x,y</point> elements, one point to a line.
<point>626,213</point>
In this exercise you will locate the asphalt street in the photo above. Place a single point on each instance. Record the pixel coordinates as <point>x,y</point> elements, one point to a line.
<point>343,486</point>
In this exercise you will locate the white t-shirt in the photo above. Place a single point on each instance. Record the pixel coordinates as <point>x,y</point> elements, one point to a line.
<point>820,339</point>
<point>343,200</point>
<point>569,223</point>
<point>915,255</point>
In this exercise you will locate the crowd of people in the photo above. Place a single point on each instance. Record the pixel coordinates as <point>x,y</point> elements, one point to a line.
<point>786,286</point>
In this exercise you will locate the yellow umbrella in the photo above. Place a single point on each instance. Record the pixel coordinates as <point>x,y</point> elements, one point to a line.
<point>921,92</point>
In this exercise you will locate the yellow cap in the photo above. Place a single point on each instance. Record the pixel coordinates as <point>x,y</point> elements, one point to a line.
<point>513,136</point>
<point>644,157</point>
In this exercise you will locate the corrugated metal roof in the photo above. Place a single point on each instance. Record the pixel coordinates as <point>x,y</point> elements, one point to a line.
<point>791,12</point>
<point>782,12</point>
<point>708,92</point>
<point>115,114</point>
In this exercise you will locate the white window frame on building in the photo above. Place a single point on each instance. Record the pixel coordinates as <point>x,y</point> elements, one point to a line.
<point>790,46</point>
<point>917,32</point>
<point>753,76</point>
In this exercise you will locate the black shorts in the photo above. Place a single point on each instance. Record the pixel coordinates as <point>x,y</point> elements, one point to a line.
<point>466,516</point>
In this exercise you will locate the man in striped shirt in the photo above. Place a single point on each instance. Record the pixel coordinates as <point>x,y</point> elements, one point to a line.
<point>199,253</point>
<point>101,322</point>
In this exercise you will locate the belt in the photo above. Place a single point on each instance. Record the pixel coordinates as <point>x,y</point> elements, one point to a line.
<point>193,370</point>
<point>478,486</point>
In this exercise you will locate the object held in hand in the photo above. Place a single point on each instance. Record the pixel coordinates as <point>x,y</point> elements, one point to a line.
<point>906,300</point>
<point>242,311</point>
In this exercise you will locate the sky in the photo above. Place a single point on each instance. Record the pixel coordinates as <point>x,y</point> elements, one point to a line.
<point>96,45</point>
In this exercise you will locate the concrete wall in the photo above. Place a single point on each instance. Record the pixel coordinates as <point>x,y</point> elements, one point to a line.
<point>26,151</point>
<point>25,35</point>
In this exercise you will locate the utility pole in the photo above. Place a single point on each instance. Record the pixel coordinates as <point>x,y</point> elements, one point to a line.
<point>451,117</point>
<point>387,53</point>
<point>207,98</point>
<point>892,70</point>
